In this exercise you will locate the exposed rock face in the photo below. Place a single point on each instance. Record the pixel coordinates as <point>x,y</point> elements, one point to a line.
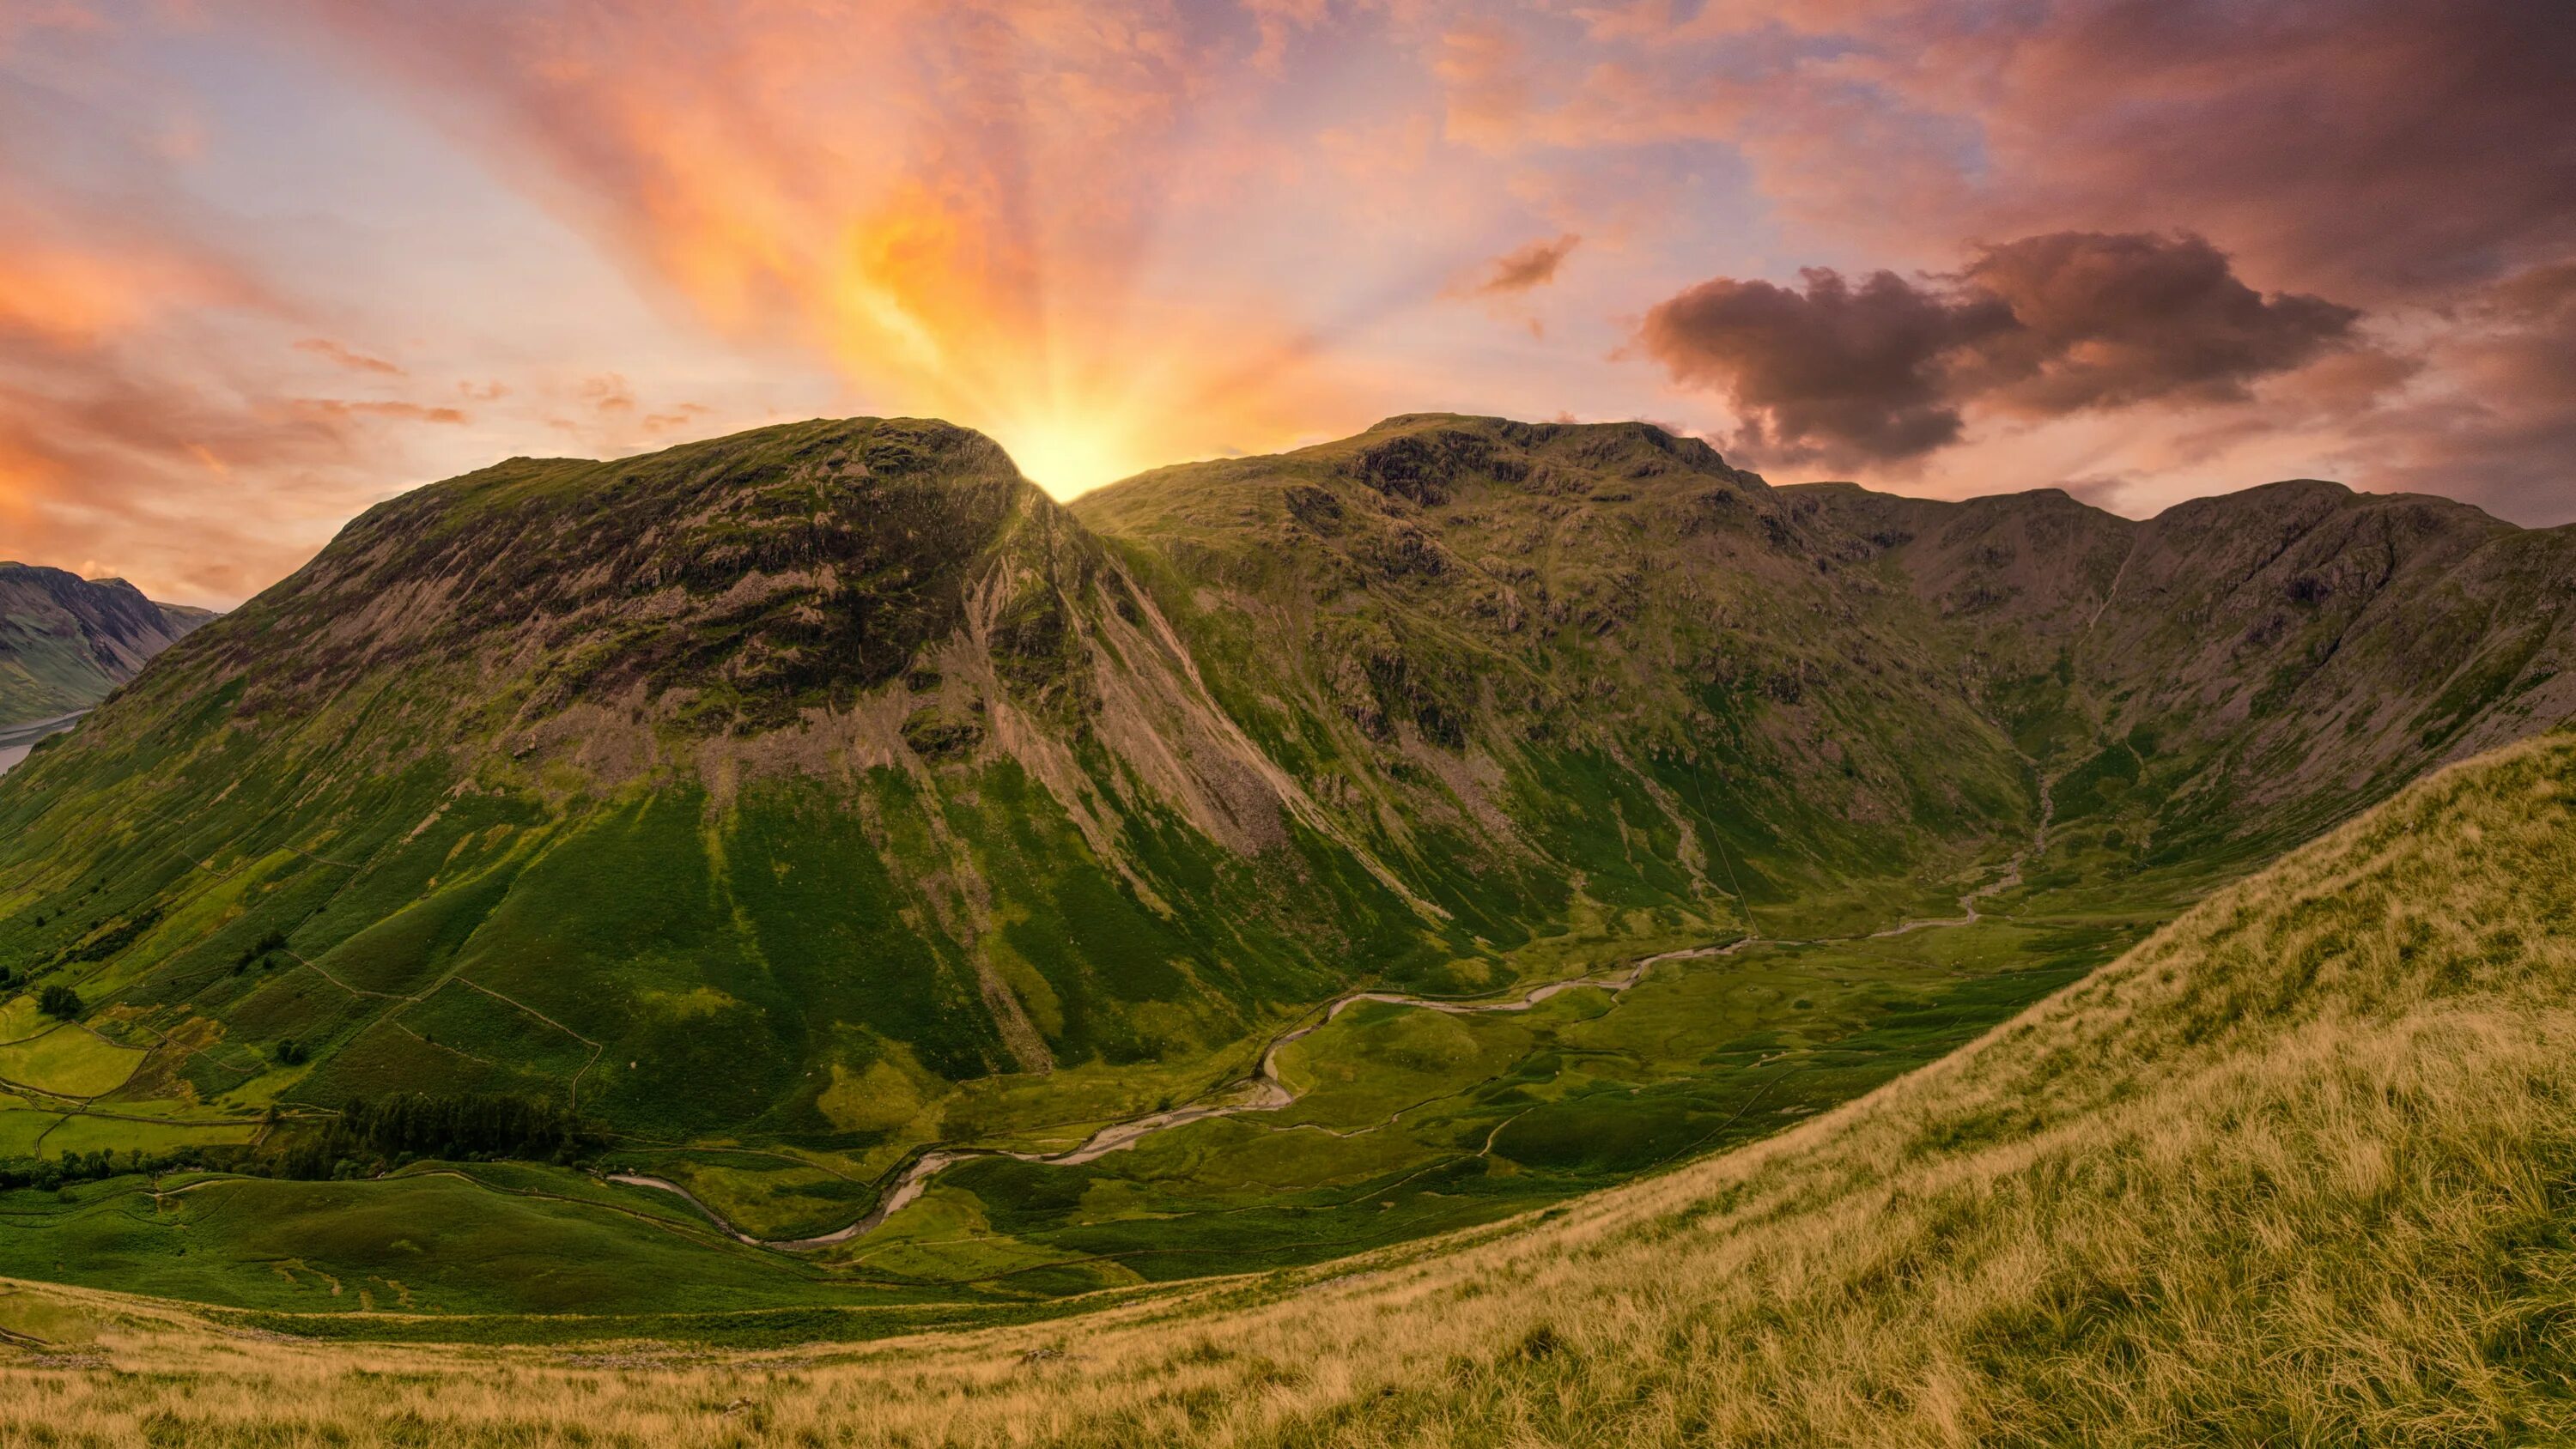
<point>65,641</point>
<point>687,786</point>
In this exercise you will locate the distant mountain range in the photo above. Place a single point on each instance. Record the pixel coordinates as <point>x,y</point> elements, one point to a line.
<point>65,641</point>
<point>814,785</point>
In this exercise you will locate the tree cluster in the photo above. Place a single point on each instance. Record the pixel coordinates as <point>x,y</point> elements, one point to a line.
<point>369,1136</point>
<point>47,1174</point>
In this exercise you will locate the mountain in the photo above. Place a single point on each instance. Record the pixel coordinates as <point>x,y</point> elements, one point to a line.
<point>2250,666</point>
<point>793,803</point>
<point>65,641</point>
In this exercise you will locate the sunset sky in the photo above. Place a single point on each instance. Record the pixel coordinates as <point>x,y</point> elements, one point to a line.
<point>263,264</point>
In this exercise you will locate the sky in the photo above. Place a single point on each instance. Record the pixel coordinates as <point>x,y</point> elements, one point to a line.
<point>265,264</point>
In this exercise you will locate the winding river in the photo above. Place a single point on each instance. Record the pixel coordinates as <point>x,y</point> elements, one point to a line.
<point>1263,1091</point>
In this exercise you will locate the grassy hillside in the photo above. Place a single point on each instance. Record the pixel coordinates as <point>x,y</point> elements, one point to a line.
<point>2293,1170</point>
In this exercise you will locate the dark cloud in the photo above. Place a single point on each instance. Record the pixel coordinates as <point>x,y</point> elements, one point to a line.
<point>2041,327</point>
<point>1827,368</point>
<point>2103,321</point>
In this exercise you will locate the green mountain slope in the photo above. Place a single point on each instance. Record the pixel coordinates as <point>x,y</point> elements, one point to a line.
<point>790,804</point>
<point>65,641</point>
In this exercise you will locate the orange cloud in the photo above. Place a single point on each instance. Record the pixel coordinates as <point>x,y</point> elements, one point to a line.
<point>143,421</point>
<point>406,411</point>
<point>951,202</point>
<point>69,295</point>
<point>354,361</point>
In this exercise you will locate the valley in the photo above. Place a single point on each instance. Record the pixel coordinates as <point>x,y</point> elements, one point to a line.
<point>1266,1091</point>
<point>878,892</point>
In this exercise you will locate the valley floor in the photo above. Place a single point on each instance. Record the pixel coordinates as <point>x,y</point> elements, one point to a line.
<point>2294,1170</point>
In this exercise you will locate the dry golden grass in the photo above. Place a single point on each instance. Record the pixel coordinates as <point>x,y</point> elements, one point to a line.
<point>2300,1169</point>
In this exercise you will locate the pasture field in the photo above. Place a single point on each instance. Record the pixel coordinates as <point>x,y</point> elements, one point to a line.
<point>68,1061</point>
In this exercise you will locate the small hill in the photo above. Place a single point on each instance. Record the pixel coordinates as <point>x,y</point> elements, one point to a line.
<point>2295,1169</point>
<point>66,641</point>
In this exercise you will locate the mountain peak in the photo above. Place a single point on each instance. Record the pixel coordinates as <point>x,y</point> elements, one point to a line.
<point>751,574</point>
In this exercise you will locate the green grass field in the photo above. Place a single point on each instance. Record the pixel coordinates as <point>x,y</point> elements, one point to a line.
<point>68,1061</point>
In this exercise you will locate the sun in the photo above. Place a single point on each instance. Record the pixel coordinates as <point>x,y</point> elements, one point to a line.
<point>1069,456</point>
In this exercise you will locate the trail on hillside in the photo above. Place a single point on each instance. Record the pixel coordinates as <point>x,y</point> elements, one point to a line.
<point>1264,1091</point>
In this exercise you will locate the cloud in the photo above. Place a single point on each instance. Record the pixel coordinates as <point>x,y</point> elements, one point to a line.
<point>2041,327</point>
<point>1483,71</point>
<point>404,411</point>
<point>1522,269</point>
<point>2491,413</point>
<point>157,407</point>
<point>1825,369</point>
<point>354,361</point>
<point>2107,321</point>
<point>2370,148</point>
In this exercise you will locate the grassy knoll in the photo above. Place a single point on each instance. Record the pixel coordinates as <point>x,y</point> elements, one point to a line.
<point>2292,1170</point>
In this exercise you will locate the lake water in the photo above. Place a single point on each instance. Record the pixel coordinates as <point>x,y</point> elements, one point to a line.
<point>17,740</point>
